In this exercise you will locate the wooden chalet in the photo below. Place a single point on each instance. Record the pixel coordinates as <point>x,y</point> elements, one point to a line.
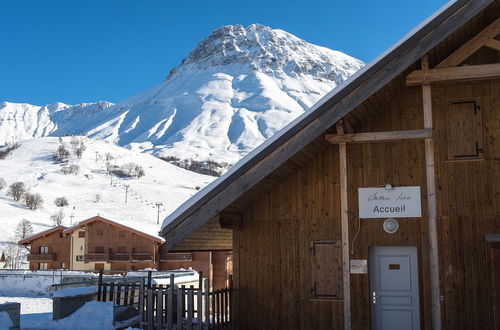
<point>98,243</point>
<point>310,249</point>
<point>48,249</point>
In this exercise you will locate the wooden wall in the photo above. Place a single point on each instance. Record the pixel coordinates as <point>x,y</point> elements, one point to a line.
<point>110,239</point>
<point>59,246</point>
<point>272,257</point>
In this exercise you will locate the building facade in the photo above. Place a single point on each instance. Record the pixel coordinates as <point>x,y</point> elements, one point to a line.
<point>101,244</point>
<point>424,117</point>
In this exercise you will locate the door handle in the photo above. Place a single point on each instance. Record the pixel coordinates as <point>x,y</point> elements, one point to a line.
<point>374,297</point>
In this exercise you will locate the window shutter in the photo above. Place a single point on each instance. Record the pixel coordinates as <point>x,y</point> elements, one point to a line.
<point>464,130</point>
<point>326,264</point>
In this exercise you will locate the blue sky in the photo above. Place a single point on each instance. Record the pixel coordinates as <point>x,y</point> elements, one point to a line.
<point>85,51</point>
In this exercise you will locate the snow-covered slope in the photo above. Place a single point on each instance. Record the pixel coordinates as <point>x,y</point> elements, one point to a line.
<point>234,90</point>
<point>33,165</point>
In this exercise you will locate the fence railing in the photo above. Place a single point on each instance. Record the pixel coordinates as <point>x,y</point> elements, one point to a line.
<point>172,307</point>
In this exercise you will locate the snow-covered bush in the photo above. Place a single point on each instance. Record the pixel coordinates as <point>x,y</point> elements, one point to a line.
<point>62,154</point>
<point>16,190</point>
<point>70,169</point>
<point>3,184</point>
<point>129,170</point>
<point>33,201</point>
<point>61,201</point>
<point>78,147</point>
<point>97,198</point>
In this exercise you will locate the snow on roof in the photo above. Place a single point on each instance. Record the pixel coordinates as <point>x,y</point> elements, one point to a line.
<point>140,228</point>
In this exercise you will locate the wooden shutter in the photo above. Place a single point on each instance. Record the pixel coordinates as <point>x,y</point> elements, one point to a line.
<point>464,130</point>
<point>326,263</point>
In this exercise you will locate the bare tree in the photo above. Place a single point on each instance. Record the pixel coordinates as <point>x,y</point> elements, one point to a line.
<point>33,201</point>
<point>108,156</point>
<point>57,218</point>
<point>23,229</point>
<point>61,201</point>
<point>14,255</point>
<point>3,184</point>
<point>16,190</point>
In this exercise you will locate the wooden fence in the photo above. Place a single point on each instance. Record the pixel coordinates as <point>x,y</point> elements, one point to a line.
<point>172,307</point>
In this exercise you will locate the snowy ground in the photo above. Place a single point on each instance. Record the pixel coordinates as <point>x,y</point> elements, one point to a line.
<point>32,164</point>
<point>34,310</point>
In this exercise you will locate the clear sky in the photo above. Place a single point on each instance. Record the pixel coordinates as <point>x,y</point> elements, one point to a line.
<point>85,51</point>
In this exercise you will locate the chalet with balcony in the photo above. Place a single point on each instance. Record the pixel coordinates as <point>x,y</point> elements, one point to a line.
<point>48,249</point>
<point>98,243</point>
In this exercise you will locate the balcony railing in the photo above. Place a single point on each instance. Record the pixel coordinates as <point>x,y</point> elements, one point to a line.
<point>41,257</point>
<point>119,257</point>
<point>96,256</point>
<point>142,256</point>
<point>176,257</point>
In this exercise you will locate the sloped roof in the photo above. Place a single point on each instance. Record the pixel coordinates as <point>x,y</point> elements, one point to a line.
<point>33,237</point>
<point>113,223</point>
<point>334,106</point>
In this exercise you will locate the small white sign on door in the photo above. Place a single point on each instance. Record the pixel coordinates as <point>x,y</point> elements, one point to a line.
<point>397,202</point>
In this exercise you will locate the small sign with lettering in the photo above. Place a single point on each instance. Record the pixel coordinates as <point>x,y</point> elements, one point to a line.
<point>397,202</point>
<point>359,266</point>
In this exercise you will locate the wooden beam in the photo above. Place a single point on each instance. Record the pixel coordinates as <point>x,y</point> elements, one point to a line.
<point>493,44</point>
<point>345,236</point>
<point>471,46</point>
<point>431,204</point>
<point>379,136</point>
<point>484,71</point>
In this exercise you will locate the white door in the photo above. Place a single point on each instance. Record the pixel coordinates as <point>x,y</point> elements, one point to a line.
<point>394,288</point>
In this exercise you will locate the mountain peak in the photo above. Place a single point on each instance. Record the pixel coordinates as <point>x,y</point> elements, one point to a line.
<point>271,51</point>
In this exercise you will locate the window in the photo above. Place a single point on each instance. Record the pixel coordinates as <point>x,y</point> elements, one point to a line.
<point>326,269</point>
<point>81,234</point>
<point>100,232</point>
<point>122,249</point>
<point>81,247</point>
<point>464,129</point>
<point>99,249</point>
<point>43,266</point>
<point>79,258</point>
<point>43,249</point>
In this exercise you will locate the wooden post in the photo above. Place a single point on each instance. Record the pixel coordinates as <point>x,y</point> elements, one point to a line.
<point>180,307</point>
<point>99,286</point>
<point>170,303</point>
<point>207,303</point>
<point>149,309</point>
<point>431,204</point>
<point>345,231</point>
<point>159,308</point>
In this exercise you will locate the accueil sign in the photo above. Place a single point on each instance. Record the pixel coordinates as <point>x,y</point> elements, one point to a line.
<point>389,202</point>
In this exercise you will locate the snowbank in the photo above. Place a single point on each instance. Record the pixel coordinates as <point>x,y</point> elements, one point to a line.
<point>93,315</point>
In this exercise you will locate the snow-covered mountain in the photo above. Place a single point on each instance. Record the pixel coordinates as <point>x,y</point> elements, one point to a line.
<point>92,190</point>
<point>234,90</point>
